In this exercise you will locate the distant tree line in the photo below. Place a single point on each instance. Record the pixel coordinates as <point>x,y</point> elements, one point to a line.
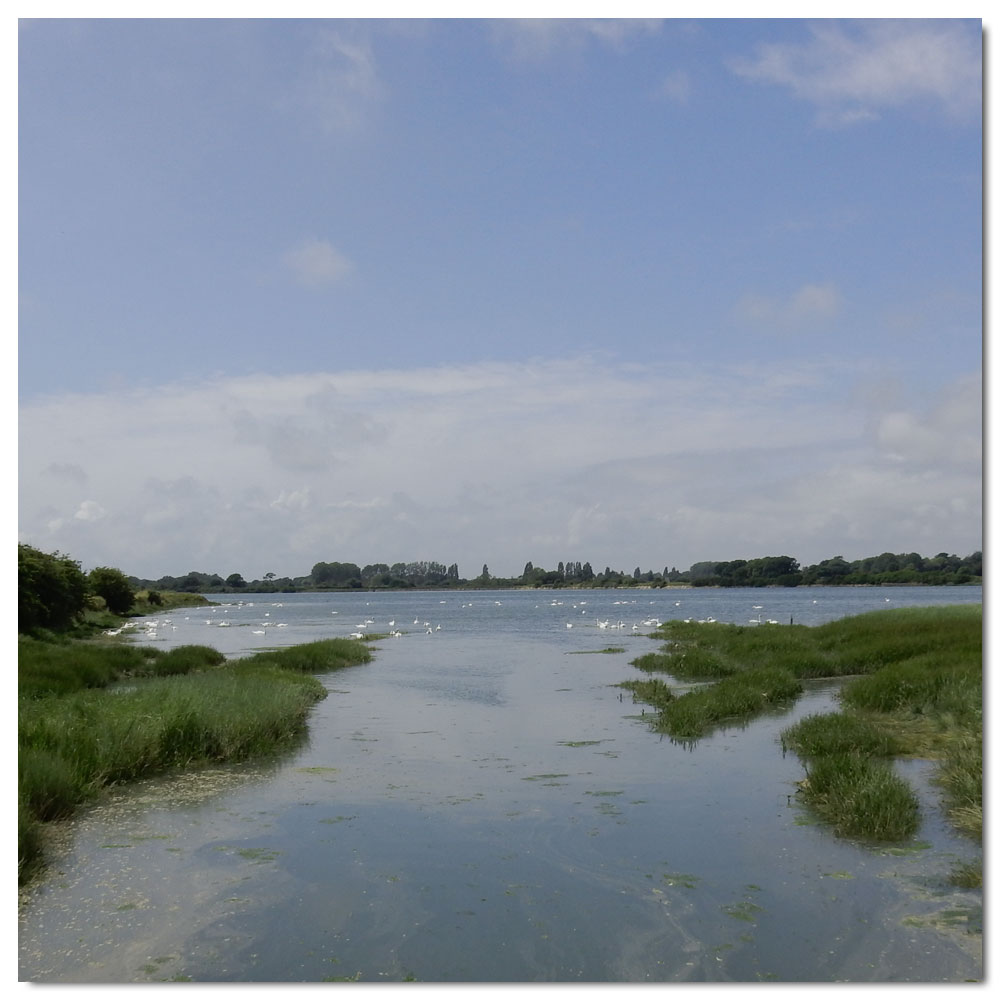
<point>767,571</point>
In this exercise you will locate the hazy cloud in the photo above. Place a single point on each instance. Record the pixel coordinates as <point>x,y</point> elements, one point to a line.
<point>501,463</point>
<point>676,87</point>
<point>807,306</point>
<point>90,510</point>
<point>851,72</point>
<point>316,263</point>
<point>339,83</point>
<point>532,39</point>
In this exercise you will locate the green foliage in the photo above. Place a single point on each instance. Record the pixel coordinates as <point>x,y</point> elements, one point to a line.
<point>653,692</point>
<point>961,776</point>
<point>51,591</point>
<point>186,660</point>
<point>312,657</point>
<point>736,698</point>
<point>91,714</point>
<point>113,586</point>
<point>54,668</point>
<point>861,797</point>
<point>917,684</point>
<point>654,662</point>
<point>838,733</point>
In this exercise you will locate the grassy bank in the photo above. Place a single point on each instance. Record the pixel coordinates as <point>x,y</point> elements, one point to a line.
<point>95,714</point>
<point>913,686</point>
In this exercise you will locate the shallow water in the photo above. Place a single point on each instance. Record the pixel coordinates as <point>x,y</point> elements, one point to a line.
<point>479,804</point>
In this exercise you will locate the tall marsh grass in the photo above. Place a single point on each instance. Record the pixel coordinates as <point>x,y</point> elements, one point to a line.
<point>860,796</point>
<point>736,698</point>
<point>93,715</point>
<point>913,685</point>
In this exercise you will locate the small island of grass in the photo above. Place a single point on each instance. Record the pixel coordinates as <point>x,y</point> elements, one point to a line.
<point>913,687</point>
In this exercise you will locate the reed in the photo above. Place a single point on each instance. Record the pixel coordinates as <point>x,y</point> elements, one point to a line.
<point>860,796</point>
<point>169,710</point>
<point>313,657</point>
<point>914,686</point>
<point>838,733</point>
<point>653,692</point>
<point>736,698</point>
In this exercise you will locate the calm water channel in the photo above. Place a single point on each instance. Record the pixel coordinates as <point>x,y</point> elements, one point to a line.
<point>479,804</point>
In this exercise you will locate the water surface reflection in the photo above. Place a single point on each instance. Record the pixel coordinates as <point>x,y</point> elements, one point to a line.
<point>479,809</point>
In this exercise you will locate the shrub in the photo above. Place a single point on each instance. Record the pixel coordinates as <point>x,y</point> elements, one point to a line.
<point>51,590</point>
<point>113,586</point>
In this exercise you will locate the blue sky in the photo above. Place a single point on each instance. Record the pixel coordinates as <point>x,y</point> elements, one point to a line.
<point>640,292</point>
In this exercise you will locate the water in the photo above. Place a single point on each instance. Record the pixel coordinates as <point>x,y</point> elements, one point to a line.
<point>478,804</point>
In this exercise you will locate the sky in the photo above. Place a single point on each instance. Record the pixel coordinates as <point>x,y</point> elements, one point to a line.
<point>639,293</point>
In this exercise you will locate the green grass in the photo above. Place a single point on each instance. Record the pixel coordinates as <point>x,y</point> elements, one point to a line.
<point>92,715</point>
<point>861,797</point>
<point>653,692</point>
<point>837,733</point>
<point>913,685</point>
<point>736,698</point>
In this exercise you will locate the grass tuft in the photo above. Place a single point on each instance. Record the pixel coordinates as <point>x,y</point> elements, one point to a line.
<point>93,714</point>
<point>914,686</point>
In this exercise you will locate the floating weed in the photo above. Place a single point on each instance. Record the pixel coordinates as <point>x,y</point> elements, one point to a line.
<point>581,743</point>
<point>967,917</point>
<point>605,793</point>
<point>337,819</point>
<point>680,880</point>
<point>258,854</point>
<point>746,909</point>
<point>967,874</point>
<point>544,777</point>
<point>317,770</point>
<point>914,848</point>
<point>837,875</point>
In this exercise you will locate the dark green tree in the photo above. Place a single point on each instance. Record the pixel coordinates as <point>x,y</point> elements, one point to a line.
<point>51,590</point>
<point>113,585</point>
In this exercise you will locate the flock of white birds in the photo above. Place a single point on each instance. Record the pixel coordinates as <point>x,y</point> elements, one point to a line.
<point>151,627</point>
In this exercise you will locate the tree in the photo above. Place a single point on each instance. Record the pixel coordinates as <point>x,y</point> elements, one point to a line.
<point>113,585</point>
<point>51,590</point>
<point>235,580</point>
<point>485,575</point>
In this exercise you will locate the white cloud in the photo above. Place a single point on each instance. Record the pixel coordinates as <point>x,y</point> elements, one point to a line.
<point>340,82</point>
<point>533,39</point>
<point>852,72</point>
<point>675,87</point>
<point>807,306</point>
<point>614,464</point>
<point>90,510</point>
<point>316,263</point>
<point>947,434</point>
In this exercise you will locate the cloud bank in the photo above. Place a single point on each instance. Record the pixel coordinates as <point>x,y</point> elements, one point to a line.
<point>616,464</point>
<point>853,72</point>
